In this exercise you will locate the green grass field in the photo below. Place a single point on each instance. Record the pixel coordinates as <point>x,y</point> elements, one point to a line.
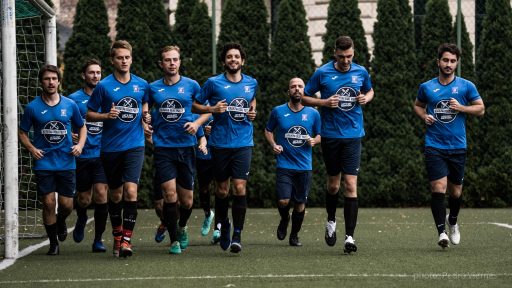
<point>396,248</point>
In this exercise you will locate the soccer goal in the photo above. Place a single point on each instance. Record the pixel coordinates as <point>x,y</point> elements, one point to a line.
<point>28,41</point>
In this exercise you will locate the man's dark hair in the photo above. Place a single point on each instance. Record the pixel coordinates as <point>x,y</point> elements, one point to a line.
<point>343,43</point>
<point>229,46</point>
<point>48,68</point>
<point>448,47</point>
<point>92,61</point>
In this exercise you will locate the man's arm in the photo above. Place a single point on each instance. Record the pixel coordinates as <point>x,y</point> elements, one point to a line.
<point>421,112</point>
<point>220,107</point>
<point>76,149</point>
<point>252,110</point>
<point>476,108</point>
<point>92,116</point>
<point>331,102</point>
<point>277,149</point>
<point>191,127</point>
<point>363,99</point>
<point>36,153</point>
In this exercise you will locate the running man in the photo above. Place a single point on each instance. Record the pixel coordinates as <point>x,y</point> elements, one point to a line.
<point>232,96</point>
<point>442,104</point>
<point>297,130</point>
<point>90,176</point>
<point>174,138</point>
<point>120,102</point>
<point>345,87</point>
<point>53,116</point>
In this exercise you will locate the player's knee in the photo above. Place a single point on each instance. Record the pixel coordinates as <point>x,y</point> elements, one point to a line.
<point>333,188</point>
<point>283,202</point>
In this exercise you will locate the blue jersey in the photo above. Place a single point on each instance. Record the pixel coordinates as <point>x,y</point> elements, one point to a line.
<point>292,129</point>
<point>232,128</point>
<point>345,121</point>
<point>52,132</point>
<point>449,131</point>
<point>93,141</point>
<point>124,132</point>
<point>173,108</point>
<point>199,154</point>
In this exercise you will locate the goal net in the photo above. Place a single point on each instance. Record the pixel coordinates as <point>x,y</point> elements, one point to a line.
<point>30,56</point>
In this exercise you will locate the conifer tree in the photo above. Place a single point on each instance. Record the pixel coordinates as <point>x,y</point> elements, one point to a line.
<point>392,169</point>
<point>436,29</point>
<point>344,18</point>
<point>466,60</point>
<point>492,180</point>
<point>198,64</point>
<point>88,40</point>
<point>181,29</point>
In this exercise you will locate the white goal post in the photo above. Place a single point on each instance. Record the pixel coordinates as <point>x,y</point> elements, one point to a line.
<point>9,120</point>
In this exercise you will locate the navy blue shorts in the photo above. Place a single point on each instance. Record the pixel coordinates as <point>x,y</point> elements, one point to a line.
<point>62,182</point>
<point>441,163</point>
<point>231,162</point>
<point>175,163</point>
<point>204,171</point>
<point>341,155</point>
<point>123,166</point>
<point>293,184</point>
<point>89,171</point>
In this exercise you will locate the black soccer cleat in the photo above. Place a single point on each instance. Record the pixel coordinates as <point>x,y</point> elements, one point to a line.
<point>294,240</point>
<point>281,229</point>
<point>330,233</point>
<point>54,250</point>
<point>350,245</point>
<point>62,230</point>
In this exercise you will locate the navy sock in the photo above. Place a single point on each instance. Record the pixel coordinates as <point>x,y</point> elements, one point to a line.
<point>184,215</point>
<point>170,211</point>
<point>454,204</point>
<point>331,201</point>
<point>350,212</point>
<point>297,218</point>
<point>100,220</point>
<point>438,211</point>
<point>238,212</point>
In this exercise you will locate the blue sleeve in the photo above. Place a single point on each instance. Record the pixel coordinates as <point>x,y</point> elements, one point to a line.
<point>367,82</point>
<point>313,84</point>
<point>205,93</point>
<point>151,101</point>
<point>472,93</point>
<point>421,96</point>
<point>26,120</point>
<point>76,118</point>
<point>256,88</point>
<point>94,103</point>
<point>272,121</point>
<point>197,90</point>
<point>200,132</point>
<point>145,97</point>
<point>317,125</point>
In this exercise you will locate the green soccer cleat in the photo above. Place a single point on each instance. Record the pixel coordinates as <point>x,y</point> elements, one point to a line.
<point>175,248</point>
<point>205,229</point>
<point>215,237</point>
<point>183,237</point>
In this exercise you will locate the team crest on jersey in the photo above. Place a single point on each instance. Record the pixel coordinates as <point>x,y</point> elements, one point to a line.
<point>54,132</point>
<point>181,90</point>
<point>63,112</point>
<point>136,88</point>
<point>129,109</point>
<point>443,112</point>
<point>247,89</point>
<point>304,117</point>
<point>355,79</point>
<point>94,128</point>
<point>171,110</point>
<point>347,98</point>
<point>237,109</point>
<point>297,136</point>
<point>455,90</point>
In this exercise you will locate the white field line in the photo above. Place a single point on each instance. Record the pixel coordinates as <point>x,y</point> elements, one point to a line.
<point>425,276</point>
<point>502,225</point>
<point>4,264</point>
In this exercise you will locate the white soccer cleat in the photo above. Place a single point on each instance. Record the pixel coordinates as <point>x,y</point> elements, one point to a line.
<point>330,233</point>
<point>443,240</point>
<point>454,232</point>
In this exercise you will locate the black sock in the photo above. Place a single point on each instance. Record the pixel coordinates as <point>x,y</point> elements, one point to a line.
<point>284,212</point>
<point>81,212</point>
<point>170,211</point>
<point>238,212</point>
<point>204,200</point>
<point>350,212</point>
<point>114,210</point>
<point>184,215</point>
<point>297,218</point>
<point>454,204</point>
<point>221,208</point>
<point>100,220</point>
<point>129,218</point>
<point>438,211</point>
<point>51,231</point>
<point>217,223</point>
<point>331,201</point>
